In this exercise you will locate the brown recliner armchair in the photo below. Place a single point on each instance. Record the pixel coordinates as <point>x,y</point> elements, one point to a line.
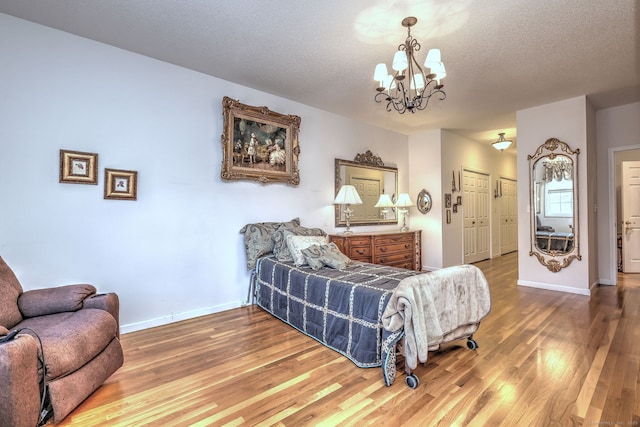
<point>68,335</point>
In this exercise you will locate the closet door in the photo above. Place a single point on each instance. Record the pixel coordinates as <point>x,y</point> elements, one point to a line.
<point>508,215</point>
<point>476,216</point>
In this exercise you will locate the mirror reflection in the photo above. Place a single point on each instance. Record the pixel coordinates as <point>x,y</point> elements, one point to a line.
<point>371,179</point>
<point>554,204</point>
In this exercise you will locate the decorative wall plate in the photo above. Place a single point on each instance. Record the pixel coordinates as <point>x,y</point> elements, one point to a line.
<point>424,201</point>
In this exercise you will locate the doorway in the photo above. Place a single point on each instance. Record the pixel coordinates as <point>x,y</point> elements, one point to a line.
<point>630,221</point>
<point>616,157</point>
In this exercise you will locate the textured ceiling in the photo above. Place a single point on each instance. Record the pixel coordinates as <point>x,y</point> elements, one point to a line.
<point>501,56</point>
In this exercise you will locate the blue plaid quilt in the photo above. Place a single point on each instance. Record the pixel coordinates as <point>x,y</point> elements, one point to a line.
<point>342,309</point>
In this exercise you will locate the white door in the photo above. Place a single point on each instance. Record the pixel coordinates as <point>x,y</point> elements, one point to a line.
<point>475,205</point>
<point>508,215</point>
<point>630,192</point>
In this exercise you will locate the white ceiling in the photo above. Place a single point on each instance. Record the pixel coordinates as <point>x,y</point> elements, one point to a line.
<point>501,56</point>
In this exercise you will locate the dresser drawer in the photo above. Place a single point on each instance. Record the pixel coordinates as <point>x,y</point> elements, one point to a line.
<point>409,265</point>
<point>394,258</point>
<point>359,240</point>
<point>359,252</point>
<point>406,246</point>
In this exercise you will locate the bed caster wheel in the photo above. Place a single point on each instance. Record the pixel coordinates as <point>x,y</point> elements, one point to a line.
<point>472,344</point>
<point>412,381</point>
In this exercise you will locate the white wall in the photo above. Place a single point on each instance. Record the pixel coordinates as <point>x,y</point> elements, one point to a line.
<point>617,130</point>
<point>176,251</point>
<point>569,121</point>
<point>425,166</point>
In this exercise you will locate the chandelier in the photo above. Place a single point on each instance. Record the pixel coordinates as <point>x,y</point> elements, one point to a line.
<point>410,88</point>
<point>501,144</point>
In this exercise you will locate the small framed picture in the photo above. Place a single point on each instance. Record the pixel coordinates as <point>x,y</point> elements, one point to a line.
<point>77,167</point>
<point>120,184</point>
<point>448,216</point>
<point>447,200</point>
<point>455,208</point>
<point>459,201</point>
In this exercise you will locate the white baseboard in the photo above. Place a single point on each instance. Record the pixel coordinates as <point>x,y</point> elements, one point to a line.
<point>176,317</point>
<point>557,288</point>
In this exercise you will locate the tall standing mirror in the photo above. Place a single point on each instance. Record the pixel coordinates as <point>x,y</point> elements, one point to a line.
<point>371,178</point>
<point>554,204</point>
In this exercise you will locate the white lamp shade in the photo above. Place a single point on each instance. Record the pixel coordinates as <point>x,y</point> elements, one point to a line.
<point>347,195</point>
<point>404,201</point>
<point>433,58</point>
<point>384,202</point>
<point>417,82</point>
<point>389,82</point>
<point>439,71</point>
<point>400,61</point>
<point>380,73</point>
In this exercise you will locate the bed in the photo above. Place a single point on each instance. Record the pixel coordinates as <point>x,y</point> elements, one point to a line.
<point>369,313</point>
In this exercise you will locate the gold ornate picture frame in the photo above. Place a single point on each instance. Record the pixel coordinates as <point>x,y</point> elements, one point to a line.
<point>77,167</point>
<point>120,184</point>
<point>259,144</point>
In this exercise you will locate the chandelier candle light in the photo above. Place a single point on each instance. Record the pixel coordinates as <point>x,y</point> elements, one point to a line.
<point>410,88</point>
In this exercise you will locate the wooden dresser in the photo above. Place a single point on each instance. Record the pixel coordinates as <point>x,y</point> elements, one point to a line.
<point>397,249</point>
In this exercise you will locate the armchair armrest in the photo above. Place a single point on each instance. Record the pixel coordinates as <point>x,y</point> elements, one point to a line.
<point>39,302</point>
<point>20,391</point>
<point>108,302</point>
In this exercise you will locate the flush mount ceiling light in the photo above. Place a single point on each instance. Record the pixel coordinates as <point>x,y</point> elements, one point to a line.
<point>410,88</point>
<point>501,144</point>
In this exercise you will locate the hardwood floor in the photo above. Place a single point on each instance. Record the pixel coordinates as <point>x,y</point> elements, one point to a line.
<point>545,359</point>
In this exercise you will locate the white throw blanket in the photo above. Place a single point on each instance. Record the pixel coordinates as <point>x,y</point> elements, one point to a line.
<point>430,305</point>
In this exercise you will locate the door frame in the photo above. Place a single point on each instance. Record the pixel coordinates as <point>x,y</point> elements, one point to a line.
<point>613,211</point>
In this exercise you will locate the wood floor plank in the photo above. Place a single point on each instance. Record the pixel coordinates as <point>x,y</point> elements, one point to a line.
<point>545,358</point>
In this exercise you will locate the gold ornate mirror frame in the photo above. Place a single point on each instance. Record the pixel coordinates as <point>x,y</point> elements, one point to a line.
<point>554,207</point>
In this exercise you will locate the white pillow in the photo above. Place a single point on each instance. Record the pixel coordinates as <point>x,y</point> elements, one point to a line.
<point>296,244</point>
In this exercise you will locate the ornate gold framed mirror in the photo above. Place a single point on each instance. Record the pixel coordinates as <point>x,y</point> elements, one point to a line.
<point>368,174</point>
<point>424,201</point>
<point>553,191</point>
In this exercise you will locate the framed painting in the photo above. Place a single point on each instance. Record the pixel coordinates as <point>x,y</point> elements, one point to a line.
<point>259,144</point>
<point>77,167</point>
<point>120,184</point>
